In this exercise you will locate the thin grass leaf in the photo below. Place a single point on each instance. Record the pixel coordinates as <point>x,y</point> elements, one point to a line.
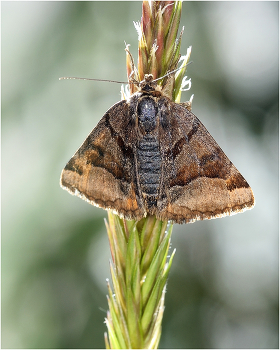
<point>153,270</point>
<point>119,288</point>
<point>114,344</point>
<point>133,321</point>
<point>153,336</point>
<point>150,307</point>
<point>107,345</point>
<point>147,231</point>
<point>116,325</point>
<point>152,247</point>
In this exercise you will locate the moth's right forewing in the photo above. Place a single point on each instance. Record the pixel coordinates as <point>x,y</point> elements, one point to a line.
<point>204,183</point>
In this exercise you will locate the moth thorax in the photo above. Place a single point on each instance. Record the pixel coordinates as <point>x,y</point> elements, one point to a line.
<point>147,114</point>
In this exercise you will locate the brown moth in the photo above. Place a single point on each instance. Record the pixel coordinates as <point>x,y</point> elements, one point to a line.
<point>150,155</point>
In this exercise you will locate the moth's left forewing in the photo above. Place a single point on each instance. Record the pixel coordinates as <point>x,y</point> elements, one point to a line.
<point>102,170</point>
<point>203,184</point>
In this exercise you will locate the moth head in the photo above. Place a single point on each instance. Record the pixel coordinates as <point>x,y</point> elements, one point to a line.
<point>148,84</point>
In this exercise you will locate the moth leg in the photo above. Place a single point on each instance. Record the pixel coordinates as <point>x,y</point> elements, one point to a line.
<point>134,76</point>
<point>187,104</point>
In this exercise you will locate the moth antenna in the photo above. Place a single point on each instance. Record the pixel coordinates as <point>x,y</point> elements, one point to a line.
<point>131,79</point>
<point>173,71</point>
<point>108,81</point>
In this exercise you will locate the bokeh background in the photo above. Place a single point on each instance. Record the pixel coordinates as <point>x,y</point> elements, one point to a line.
<point>223,285</point>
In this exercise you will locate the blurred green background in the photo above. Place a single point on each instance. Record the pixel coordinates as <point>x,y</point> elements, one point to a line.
<point>223,286</point>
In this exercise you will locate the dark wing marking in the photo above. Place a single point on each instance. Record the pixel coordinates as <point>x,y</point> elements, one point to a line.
<point>206,184</point>
<point>102,170</point>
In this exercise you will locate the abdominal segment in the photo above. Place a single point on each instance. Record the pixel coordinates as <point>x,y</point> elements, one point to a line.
<point>149,169</point>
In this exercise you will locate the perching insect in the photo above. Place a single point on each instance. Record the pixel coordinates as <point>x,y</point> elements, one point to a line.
<point>150,155</point>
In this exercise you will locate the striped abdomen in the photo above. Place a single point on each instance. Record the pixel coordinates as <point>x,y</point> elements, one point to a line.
<point>149,168</point>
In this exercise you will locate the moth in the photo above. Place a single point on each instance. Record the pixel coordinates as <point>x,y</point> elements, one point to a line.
<point>150,155</point>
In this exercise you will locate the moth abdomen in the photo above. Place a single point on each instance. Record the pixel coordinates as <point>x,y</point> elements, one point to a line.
<point>149,169</point>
